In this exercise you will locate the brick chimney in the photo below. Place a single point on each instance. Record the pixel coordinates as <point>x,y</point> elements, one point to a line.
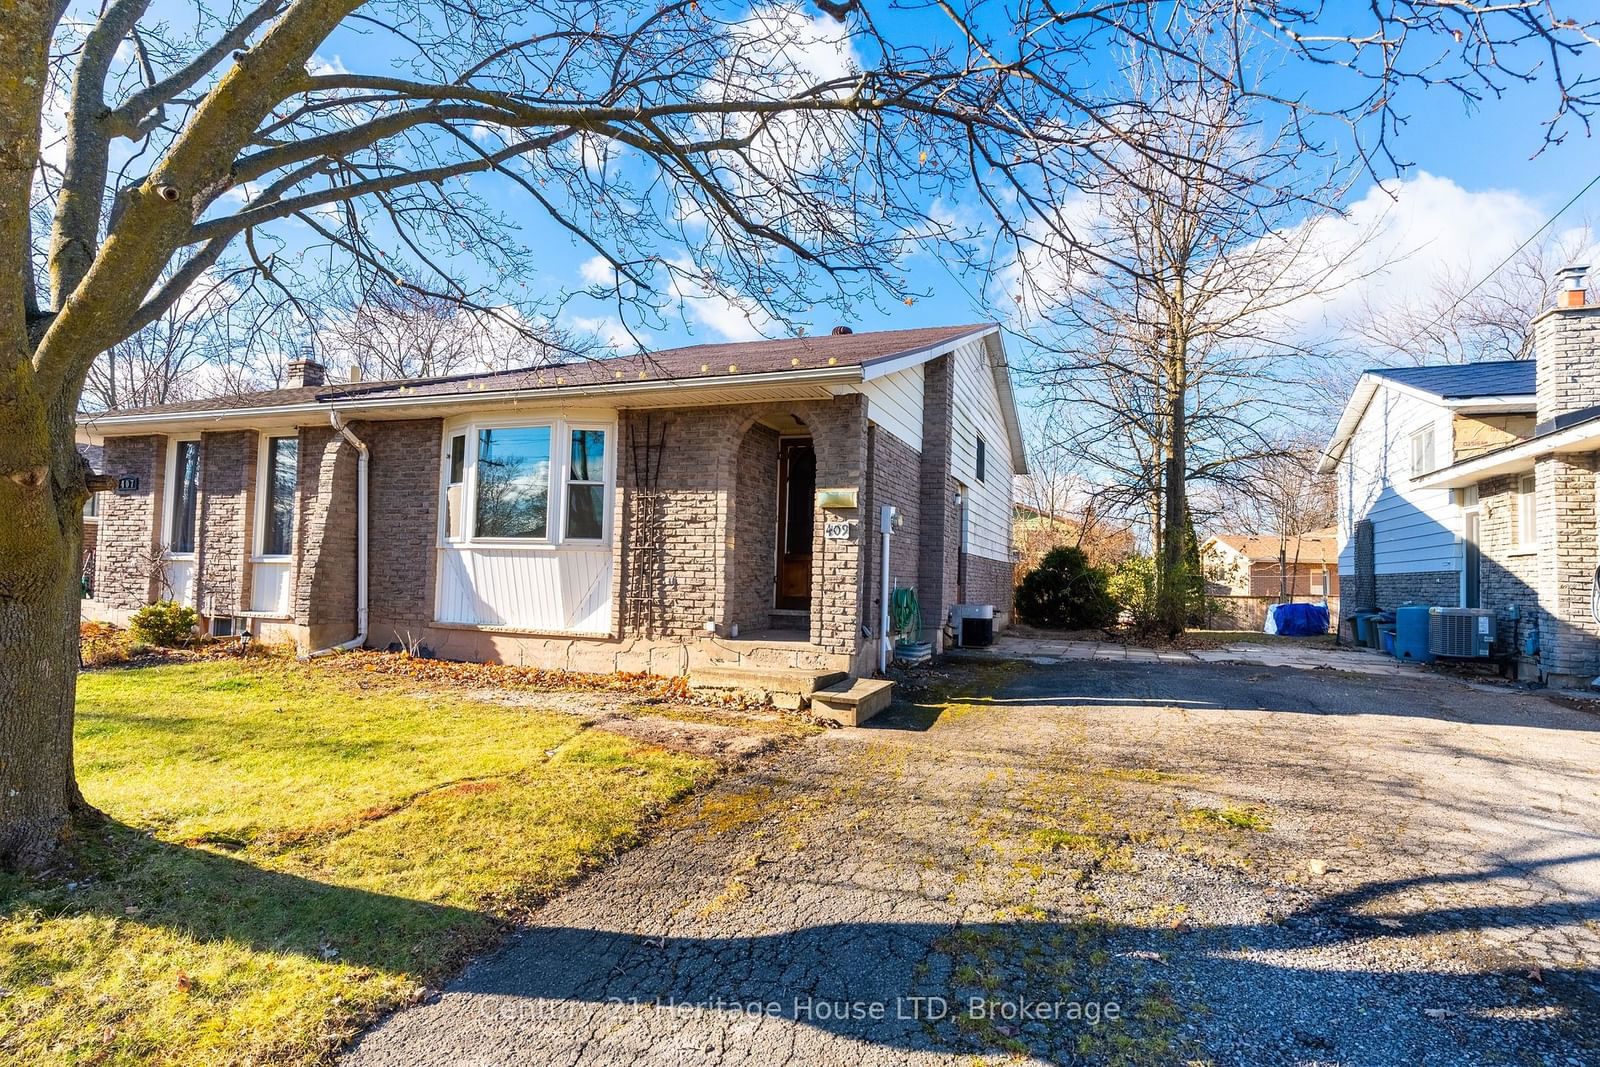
<point>305,372</point>
<point>1566,342</point>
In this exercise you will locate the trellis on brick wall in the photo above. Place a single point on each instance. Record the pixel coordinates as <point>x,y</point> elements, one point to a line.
<point>645,531</point>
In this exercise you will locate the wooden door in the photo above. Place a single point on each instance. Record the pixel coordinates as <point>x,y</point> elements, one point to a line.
<point>797,494</point>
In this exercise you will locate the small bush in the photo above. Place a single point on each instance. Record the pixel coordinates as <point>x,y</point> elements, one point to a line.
<point>165,624</point>
<point>101,644</point>
<point>1133,586</point>
<point>1065,593</point>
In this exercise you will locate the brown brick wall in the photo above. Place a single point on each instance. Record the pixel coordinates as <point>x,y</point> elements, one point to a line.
<point>896,480</point>
<point>755,529</point>
<point>678,489</point>
<point>1436,588</point>
<point>226,504</point>
<point>940,537</point>
<point>129,539</point>
<point>989,581</point>
<point>324,598</point>
<point>403,518</point>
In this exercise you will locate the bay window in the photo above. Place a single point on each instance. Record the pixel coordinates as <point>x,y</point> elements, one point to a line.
<point>586,486</point>
<point>534,481</point>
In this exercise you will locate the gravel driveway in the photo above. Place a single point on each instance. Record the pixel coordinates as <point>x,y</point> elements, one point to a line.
<point>1089,862</point>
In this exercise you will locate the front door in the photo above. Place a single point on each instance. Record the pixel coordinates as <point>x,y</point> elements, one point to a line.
<point>797,494</point>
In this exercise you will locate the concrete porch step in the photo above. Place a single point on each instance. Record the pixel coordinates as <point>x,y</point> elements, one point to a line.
<point>787,687</point>
<point>852,701</point>
<point>789,619</point>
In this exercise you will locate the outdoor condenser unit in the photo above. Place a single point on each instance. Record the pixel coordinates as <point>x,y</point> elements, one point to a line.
<point>1467,633</point>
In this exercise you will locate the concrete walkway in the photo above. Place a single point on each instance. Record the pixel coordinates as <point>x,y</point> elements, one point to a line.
<point>1267,652</point>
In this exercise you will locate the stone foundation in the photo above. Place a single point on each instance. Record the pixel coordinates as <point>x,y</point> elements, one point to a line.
<point>1434,588</point>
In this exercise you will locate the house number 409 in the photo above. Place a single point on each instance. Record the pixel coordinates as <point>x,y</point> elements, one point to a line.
<point>840,530</point>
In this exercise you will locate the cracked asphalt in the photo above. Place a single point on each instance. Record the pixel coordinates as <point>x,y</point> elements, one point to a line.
<point>1088,862</point>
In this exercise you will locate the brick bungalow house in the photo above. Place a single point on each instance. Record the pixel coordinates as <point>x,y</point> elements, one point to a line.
<point>1475,486</point>
<point>709,505</point>
<point>1256,566</point>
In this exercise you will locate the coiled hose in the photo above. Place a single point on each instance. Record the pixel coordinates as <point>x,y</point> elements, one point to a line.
<point>905,617</point>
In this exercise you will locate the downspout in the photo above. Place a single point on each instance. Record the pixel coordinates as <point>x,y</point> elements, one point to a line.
<point>886,516</point>
<point>361,541</point>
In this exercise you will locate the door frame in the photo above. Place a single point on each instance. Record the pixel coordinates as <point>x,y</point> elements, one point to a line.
<point>779,602</point>
<point>1471,557</point>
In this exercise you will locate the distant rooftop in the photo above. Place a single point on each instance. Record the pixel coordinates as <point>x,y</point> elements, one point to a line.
<point>1466,381</point>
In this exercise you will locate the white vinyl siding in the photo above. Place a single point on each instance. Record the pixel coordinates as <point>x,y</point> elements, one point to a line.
<point>1414,530</point>
<point>976,411</point>
<point>894,402</point>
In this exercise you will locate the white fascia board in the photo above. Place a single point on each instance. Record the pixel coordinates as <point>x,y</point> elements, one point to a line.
<point>898,361</point>
<point>1008,400</point>
<point>1354,408</point>
<point>1493,405</point>
<point>156,421</point>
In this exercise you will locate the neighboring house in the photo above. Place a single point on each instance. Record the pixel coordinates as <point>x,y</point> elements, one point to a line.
<point>623,514</point>
<point>1035,531</point>
<point>1474,485</point>
<point>1247,565</point>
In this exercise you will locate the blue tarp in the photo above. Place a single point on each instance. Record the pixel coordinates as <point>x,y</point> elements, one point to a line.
<point>1297,620</point>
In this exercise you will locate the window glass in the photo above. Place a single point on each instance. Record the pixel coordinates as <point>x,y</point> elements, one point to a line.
<point>283,477</point>
<point>586,490</point>
<point>1422,451</point>
<point>513,473</point>
<point>185,490</point>
<point>91,507</point>
<point>455,491</point>
<point>983,458</point>
<point>1527,511</point>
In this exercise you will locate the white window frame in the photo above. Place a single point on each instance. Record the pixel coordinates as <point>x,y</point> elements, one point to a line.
<point>1527,513</point>
<point>170,493</point>
<point>608,476</point>
<point>561,428</point>
<point>258,549</point>
<point>1418,469</point>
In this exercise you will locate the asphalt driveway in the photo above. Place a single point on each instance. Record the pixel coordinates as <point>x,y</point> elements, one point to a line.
<point>1141,862</point>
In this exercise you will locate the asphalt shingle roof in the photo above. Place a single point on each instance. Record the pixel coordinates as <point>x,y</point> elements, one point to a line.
<point>694,361</point>
<point>1464,381</point>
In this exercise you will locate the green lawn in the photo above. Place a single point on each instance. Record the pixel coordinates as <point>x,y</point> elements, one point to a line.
<point>294,850</point>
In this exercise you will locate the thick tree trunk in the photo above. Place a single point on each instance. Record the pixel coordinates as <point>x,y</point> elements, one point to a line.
<point>42,489</point>
<point>1172,576</point>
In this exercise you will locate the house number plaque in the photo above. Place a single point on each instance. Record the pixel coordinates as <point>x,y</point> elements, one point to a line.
<point>840,530</point>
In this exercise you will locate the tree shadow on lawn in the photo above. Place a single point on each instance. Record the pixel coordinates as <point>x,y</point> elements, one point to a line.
<point>1041,988</point>
<point>122,873</point>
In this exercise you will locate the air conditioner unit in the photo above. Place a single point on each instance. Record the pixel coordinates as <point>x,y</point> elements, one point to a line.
<point>974,624</point>
<point>1466,633</point>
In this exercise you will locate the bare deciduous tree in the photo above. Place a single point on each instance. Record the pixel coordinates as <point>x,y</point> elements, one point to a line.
<point>687,144</point>
<point>1170,344</point>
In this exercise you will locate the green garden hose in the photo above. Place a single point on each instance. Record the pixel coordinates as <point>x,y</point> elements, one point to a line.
<point>904,614</point>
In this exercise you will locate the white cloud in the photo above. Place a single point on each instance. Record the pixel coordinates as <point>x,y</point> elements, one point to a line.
<point>731,318</point>
<point>1399,239</point>
<point>610,331</point>
<point>597,270</point>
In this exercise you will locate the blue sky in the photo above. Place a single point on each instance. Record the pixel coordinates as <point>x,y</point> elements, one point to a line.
<point>1477,184</point>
